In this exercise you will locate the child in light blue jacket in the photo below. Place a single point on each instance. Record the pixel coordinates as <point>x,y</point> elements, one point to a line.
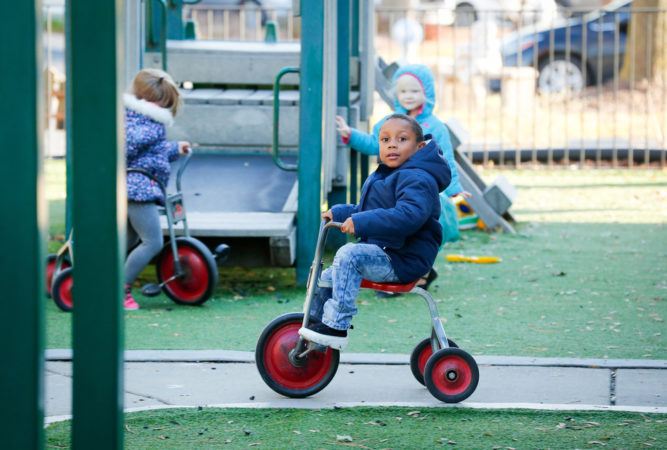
<point>414,96</point>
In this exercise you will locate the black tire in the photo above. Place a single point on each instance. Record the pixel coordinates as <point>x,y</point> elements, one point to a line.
<point>272,358</point>
<point>464,15</point>
<point>420,355</point>
<point>201,272</point>
<point>62,290</point>
<point>50,271</point>
<point>451,375</point>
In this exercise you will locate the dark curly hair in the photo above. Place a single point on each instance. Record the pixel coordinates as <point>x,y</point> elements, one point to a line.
<point>413,124</point>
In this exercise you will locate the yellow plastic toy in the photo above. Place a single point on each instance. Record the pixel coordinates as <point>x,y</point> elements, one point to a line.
<point>473,259</point>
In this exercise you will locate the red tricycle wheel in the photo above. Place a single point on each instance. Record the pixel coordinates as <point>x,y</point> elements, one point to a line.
<point>451,375</point>
<point>420,355</point>
<point>278,371</point>
<point>200,272</point>
<point>62,290</point>
<point>51,262</point>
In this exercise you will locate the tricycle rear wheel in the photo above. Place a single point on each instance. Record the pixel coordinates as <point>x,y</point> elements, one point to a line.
<point>200,272</point>
<point>451,375</point>
<point>420,355</point>
<point>62,290</point>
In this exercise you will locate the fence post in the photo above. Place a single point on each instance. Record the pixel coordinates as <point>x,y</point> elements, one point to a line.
<point>22,229</point>
<point>95,79</point>
<point>310,134</point>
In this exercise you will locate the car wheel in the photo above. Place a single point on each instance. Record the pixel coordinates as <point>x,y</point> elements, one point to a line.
<point>464,14</point>
<point>560,75</point>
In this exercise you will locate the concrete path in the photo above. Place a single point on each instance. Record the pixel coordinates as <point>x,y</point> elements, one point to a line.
<point>159,379</point>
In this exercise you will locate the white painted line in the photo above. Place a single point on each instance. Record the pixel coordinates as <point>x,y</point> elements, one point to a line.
<point>425,405</point>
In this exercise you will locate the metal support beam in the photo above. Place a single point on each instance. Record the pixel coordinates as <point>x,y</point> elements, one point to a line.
<point>99,206</point>
<point>310,134</point>
<point>338,192</point>
<point>23,229</point>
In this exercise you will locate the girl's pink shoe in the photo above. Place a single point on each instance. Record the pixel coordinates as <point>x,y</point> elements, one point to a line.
<point>130,304</point>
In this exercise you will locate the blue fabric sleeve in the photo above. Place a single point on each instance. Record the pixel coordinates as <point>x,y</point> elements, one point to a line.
<point>366,143</point>
<point>441,135</point>
<point>416,197</point>
<point>171,148</point>
<point>342,212</point>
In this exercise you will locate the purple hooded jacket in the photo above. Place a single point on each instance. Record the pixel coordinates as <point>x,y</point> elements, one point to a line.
<point>147,148</point>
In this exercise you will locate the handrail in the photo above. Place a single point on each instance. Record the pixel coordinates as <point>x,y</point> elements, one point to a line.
<point>185,160</point>
<point>163,35</point>
<point>276,119</point>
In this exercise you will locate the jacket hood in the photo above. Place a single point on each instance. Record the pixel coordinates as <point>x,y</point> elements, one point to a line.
<point>430,159</point>
<point>424,75</point>
<point>158,114</point>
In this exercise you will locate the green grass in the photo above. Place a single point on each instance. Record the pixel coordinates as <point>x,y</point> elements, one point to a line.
<point>382,428</point>
<point>583,277</point>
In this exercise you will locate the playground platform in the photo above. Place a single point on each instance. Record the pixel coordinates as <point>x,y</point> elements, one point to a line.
<point>185,378</point>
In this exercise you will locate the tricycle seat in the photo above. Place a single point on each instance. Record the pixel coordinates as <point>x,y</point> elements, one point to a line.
<point>388,287</point>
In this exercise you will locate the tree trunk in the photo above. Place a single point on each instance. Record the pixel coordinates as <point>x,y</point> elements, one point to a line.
<point>646,47</point>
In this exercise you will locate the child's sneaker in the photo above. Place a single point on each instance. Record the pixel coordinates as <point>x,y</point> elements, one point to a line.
<point>324,335</point>
<point>130,304</point>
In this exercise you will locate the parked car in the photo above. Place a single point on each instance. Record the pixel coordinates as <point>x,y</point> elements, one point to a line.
<point>517,11</point>
<point>596,44</point>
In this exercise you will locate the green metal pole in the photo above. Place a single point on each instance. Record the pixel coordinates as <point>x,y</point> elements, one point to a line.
<point>23,229</point>
<point>99,217</point>
<point>354,52</point>
<point>310,134</point>
<point>338,193</point>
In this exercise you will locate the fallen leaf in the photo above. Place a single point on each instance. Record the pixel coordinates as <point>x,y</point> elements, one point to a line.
<point>343,438</point>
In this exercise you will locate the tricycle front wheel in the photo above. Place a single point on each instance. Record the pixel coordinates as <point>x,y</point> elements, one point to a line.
<point>312,374</point>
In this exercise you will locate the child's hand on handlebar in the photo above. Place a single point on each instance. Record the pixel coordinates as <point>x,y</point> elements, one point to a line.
<point>348,226</point>
<point>327,215</point>
<point>184,147</point>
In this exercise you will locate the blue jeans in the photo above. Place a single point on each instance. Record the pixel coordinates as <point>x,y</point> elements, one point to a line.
<point>352,263</point>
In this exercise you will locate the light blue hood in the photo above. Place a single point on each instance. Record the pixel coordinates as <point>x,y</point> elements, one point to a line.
<point>424,75</point>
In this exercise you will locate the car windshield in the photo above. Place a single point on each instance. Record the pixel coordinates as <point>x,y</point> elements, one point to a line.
<point>613,6</point>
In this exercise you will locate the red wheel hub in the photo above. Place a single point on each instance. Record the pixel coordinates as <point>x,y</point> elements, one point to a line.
<point>452,375</point>
<point>279,367</point>
<point>195,279</point>
<point>51,269</point>
<point>65,292</point>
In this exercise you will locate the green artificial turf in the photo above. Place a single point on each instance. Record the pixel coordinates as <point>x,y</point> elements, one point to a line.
<point>382,428</point>
<point>583,277</point>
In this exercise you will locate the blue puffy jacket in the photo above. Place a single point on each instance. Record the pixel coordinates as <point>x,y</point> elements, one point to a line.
<point>399,211</point>
<point>146,148</point>
<point>368,143</point>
